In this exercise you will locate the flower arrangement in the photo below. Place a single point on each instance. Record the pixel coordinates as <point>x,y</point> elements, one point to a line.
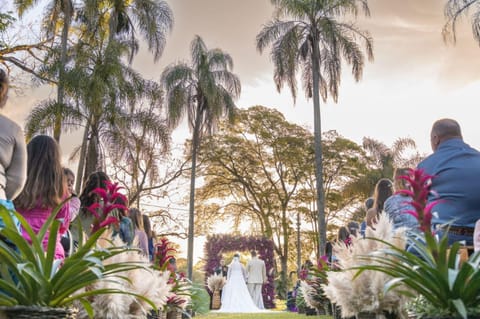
<point>357,293</point>
<point>179,296</point>
<point>443,286</point>
<point>311,281</point>
<point>216,282</point>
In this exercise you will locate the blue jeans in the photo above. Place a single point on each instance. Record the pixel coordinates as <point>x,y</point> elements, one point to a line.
<point>452,238</point>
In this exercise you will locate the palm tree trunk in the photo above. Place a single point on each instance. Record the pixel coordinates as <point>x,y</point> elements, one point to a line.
<point>67,14</point>
<point>322,232</point>
<point>191,209</point>
<point>81,161</point>
<point>92,154</point>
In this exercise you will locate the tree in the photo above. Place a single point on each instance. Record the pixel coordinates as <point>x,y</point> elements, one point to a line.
<point>454,10</point>
<point>204,92</point>
<point>254,168</point>
<point>315,41</point>
<point>384,160</point>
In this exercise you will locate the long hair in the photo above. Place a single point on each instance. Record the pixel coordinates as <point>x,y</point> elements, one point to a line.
<point>383,190</point>
<point>95,180</point>
<point>136,217</point>
<point>147,226</point>
<point>45,185</point>
<point>3,88</point>
<point>400,183</point>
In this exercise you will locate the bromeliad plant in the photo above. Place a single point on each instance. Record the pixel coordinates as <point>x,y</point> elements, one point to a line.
<point>31,276</point>
<point>443,287</point>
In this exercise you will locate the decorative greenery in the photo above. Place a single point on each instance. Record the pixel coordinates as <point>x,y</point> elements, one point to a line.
<point>218,244</point>
<point>446,287</point>
<point>31,276</point>
<point>355,293</point>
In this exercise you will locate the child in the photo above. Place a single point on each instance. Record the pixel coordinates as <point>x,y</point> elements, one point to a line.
<point>44,190</point>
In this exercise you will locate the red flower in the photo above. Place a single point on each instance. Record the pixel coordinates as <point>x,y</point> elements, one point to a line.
<point>110,201</point>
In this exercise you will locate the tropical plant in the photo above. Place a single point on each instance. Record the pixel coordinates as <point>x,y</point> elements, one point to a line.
<point>446,288</point>
<point>316,41</point>
<point>454,10</point>
<point>363,292</point>
<point>204,92</point>
<point>31,276</point>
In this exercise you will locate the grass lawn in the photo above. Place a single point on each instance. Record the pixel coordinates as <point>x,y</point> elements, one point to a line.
<point>272,315</point>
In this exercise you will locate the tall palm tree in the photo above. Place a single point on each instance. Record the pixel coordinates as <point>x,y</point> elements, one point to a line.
<point>204,92</point>
<point>59,12</point>
<point>314,38</point>
<point>456,9</point>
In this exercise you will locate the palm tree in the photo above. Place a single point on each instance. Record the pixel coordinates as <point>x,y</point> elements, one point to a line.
<point>57,11</point>
<point>454,10</point>
<point>316,41</point>
<point>204,92</point>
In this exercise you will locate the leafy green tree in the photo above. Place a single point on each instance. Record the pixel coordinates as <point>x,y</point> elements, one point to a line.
<point>315,40</point>
<point>204,92</point>
<point>255,168</point>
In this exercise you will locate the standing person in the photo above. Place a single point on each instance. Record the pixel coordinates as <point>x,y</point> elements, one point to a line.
<point>147,227</point>
<point>13,155</point>
<point>44,190</point>
<point>222,269</point>
<point>456,182</point>
<point>235,295</point>
<point>383,190</point>
<point>257,276</point>
<point>139,233</point>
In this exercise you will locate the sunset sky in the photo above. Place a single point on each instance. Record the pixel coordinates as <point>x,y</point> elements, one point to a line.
<point>415,78</point>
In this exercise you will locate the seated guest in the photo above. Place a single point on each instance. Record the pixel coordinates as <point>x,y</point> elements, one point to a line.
<point>363,225</point>
<point>383,190</point>
<point>456,170</point>
<point>397,205</point>
<point>44,190</point>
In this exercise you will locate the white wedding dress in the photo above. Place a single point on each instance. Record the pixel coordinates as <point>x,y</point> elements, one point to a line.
<point>235,295</point>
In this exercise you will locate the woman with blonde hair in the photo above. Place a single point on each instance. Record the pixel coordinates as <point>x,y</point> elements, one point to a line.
<point>44,190</point>
<point>397,205</point>
<point>13,155</point>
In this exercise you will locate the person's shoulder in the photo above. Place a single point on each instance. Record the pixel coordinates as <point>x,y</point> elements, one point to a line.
<point>8,125</point>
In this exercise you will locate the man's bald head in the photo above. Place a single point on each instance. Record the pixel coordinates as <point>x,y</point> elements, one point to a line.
<point>443,130</point>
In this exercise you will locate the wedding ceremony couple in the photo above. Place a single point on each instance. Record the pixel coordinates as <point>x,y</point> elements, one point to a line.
<point>243,289</point>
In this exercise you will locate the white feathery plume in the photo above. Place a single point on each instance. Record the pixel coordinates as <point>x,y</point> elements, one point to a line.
<point>365,293</point>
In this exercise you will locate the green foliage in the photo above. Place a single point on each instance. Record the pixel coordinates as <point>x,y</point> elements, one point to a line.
<point>6,20</point>
<point>32,276</point>
<point>200,302</point>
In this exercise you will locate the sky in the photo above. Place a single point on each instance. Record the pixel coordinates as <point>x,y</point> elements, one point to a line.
<point>414,79</point>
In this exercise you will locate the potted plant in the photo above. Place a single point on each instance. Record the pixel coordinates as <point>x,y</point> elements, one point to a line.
<point>34,284</point>
<point>441,285</point>
<point>311,281</point>
<point>215,283</point>
<point>364,294</point>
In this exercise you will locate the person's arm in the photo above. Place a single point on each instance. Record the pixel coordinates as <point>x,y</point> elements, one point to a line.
<point>16,173</point>
<point>264,273</point>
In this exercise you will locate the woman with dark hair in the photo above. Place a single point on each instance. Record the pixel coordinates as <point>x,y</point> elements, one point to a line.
<point>383,190</point>
<point>147,226</point>
<point>87,198</point>
<point>13,155</point>
<point>44,190</point>
<point>139,233</point>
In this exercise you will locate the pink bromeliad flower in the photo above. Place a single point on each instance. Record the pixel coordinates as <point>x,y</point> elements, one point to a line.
<point>419,183</point>
<point>111,198</point>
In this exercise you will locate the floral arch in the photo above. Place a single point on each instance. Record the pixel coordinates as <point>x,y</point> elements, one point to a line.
<point>216,245</point>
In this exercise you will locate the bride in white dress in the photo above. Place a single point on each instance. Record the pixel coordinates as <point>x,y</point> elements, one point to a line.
<point>235,295</point>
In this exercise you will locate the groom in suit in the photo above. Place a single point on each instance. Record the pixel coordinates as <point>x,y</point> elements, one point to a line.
<point>257,276</point>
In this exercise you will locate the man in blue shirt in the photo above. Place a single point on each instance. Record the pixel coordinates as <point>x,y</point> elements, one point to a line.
<point>456,182</point>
